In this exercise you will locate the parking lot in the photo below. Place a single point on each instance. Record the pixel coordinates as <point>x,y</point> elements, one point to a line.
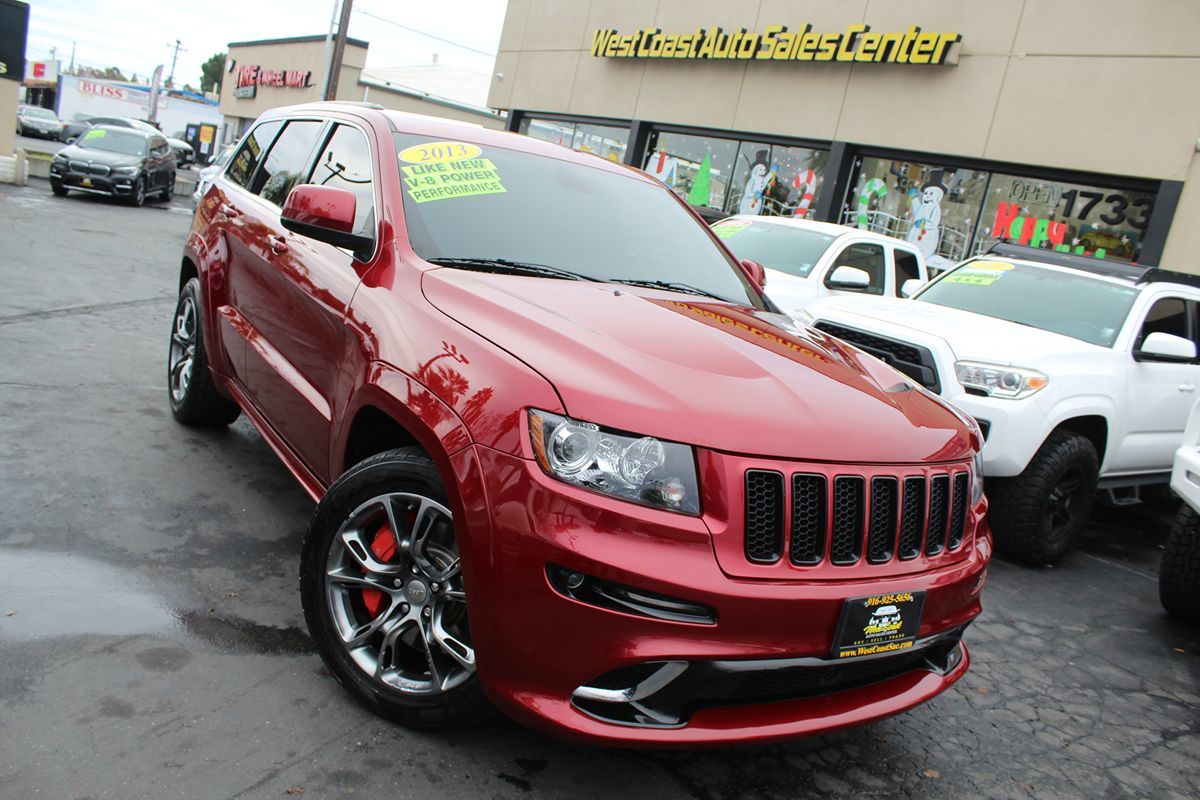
<point>152,642</point>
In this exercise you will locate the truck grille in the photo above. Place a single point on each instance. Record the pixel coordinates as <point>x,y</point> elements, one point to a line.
<point>915,362</point>
<point>850,518</point>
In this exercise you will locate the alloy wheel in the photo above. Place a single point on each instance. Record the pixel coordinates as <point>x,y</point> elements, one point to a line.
<point>394,591</point>
<point>183,349</point>
<point>1060,507</point>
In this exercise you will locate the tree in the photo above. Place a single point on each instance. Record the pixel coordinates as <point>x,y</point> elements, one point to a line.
<point>112,73</point>
<point>211,72</point>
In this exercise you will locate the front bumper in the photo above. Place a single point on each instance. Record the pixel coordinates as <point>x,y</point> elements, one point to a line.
<point>537,648</point>
<point>111,184</point>
<point>1015,429</point>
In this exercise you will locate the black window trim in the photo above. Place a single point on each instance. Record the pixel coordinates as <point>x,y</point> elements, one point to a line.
<point>833,265</point>
<point>325,125</point>
<point>375,177</point>
<point>266,148</point>
<point>1192,311</point>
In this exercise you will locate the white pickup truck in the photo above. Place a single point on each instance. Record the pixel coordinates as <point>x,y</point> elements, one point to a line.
<point>1179,577</point>
<point>1080,373</point>
<point>806,260</point>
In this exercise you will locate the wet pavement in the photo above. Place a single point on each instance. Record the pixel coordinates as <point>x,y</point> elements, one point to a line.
<point>152,643</point>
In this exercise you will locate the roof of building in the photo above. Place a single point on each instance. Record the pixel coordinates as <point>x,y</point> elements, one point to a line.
<point>296,40</point>
<point>445,81</point>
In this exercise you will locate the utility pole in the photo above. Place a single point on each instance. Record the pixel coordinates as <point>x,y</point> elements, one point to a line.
<point>339,48</point>
<point>178,47</point>
<point>71,70</point>
<point>333,18</point>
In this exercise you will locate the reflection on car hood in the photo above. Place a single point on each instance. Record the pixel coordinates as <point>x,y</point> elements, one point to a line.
<point>969,335</point>
<point>693,370</point>
<point>77,153</point>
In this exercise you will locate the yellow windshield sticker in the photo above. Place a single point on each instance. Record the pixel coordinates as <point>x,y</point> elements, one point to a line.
<point>446,180</point>
<point>439,153</point>
<point>95,133</point>
<point>726,229</point>
<point>990,266</point>
<point>979,273</point>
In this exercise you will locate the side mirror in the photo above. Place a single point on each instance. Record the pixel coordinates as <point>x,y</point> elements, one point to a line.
<point>911,287</point>
<point>849,278</point>
<point>326,214</point>
<point>756,271</point>
<point>1160,346</point>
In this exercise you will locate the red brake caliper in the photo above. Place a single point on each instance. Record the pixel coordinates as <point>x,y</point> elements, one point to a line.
<point>383,546</point>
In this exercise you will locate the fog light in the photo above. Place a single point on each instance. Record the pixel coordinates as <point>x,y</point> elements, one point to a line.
<point>626,599</point>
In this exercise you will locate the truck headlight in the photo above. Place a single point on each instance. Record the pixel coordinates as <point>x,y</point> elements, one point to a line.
<point>995,380</point>
<point>640,469</point>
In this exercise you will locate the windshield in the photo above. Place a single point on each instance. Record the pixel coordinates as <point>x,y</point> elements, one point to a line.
<point>1088,309</point>
<point>40,113</point>
<point>129,143</point>
<point>462,201</point>
<point>781,247</point>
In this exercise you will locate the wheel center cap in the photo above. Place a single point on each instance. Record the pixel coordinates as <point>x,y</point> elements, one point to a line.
<point>416,592</point>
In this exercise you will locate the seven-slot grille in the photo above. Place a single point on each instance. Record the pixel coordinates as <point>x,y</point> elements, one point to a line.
<point>850,518</point>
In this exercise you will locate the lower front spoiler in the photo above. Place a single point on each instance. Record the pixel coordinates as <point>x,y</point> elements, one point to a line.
<point>936,667</point>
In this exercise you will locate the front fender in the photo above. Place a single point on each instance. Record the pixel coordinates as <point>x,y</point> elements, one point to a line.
<point>1087,405</point>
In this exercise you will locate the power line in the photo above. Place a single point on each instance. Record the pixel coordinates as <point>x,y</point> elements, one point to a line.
<point>423,33</point>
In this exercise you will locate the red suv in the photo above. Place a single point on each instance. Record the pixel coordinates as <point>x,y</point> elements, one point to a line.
<point>568,460</point>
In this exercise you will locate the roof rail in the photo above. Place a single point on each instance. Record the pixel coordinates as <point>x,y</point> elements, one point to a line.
<point>1156,275</point>
<point>1098,266</point>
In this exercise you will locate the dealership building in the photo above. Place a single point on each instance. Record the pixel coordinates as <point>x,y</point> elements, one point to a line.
<point>267,73</point>
<point>1064,124</point>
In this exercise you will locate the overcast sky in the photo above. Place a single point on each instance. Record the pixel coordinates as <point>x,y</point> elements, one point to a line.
<point>135,36</point>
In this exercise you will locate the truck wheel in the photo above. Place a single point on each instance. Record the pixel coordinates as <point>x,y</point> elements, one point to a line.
<point>1037,515</point>
<point>1179,577</point>
<point>383,594</point>
<point>191,390</point>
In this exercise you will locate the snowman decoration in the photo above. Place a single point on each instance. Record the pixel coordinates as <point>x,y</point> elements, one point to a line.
<point>756,184</point>
<point>926,209</point>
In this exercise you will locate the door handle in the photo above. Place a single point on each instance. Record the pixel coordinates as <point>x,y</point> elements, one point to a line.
<point>278,244</point>
<point>1187,387</point>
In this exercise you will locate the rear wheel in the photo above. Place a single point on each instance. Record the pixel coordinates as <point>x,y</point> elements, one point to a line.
<point>1179,577</point>
<point>1036,516</point>
<point>383,594</point>
<point>191,390</point>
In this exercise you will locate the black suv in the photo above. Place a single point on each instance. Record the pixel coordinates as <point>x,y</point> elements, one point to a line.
<point>121,162</point>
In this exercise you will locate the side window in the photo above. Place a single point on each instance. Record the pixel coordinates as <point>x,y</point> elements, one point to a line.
<point>906,268</point>
<point>287,161</point>
<point>1167,315</point>
<point>345,163</point>
<point>250,153</point>
<point>868,258</point>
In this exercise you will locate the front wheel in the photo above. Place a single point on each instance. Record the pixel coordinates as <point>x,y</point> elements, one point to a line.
<point>138,196</point>
<point>1036,516</point>
<point>58,189</point>
<point>194,397</point>
<point>1179,577</point>
<point>383,596</point>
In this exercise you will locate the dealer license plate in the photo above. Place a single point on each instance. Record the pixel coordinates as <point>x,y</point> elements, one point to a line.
<point>879,623</point>
<point>86,182</point>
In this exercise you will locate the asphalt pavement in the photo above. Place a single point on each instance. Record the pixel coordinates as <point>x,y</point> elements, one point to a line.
<point>152,643</point>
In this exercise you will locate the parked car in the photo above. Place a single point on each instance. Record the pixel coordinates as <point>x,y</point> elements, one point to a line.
<point>184,154</point>
<point>1179,575</point>
<point>121,162</point>
<point>806,260</point>
<point>37,121</point>
<point>205,176</point>
<point>78,123</point>
<point>555,467</point>
<point>1080,372</point>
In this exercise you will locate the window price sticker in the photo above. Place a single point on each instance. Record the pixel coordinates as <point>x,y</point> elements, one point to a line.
<point>445,180</point>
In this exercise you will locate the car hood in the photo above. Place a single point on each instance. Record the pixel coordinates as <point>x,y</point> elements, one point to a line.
<point>968,335</point>
<point>703,372</point>
<point>77,153</point>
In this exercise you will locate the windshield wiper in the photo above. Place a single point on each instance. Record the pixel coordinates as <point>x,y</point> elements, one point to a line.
<point>505,267</point>
<point>673,286</point>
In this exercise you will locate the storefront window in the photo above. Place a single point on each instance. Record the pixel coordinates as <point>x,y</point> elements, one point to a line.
<point>606,141</point>
<point>737,177</point>
<point>934,207</point>
<point>1104,222</point>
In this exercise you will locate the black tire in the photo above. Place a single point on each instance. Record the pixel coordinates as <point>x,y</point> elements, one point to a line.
<point>404,473</point>
<point>137,197</point>
<point>58,189</point>
<point>1179,577</point>
<point>1037,515</point>
<point>194,399</point>
<point>169,190</point>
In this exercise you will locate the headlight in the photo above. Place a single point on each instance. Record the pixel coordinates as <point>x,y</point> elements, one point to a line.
<point>976,479</point>
<point>127,170</point>
<point>994,380</point>
<point>640,469</point>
